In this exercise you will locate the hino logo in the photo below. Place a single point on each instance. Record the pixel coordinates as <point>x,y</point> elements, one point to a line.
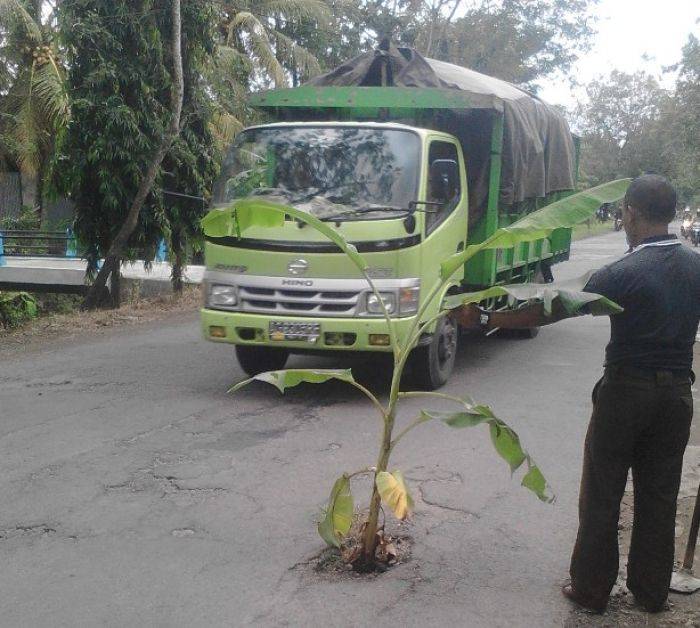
<point>297,267</point>
<point>297,282</point>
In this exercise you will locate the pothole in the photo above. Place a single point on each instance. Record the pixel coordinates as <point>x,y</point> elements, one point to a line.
<point>332,564</point>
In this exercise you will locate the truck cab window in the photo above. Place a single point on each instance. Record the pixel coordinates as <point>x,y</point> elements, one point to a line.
<point>443,182</point>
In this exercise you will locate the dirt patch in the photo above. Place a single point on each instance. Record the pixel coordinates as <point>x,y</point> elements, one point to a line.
<point>332,564</point>
<point>76,323</point>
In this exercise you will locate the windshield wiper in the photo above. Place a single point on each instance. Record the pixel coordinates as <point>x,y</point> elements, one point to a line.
<point>369,210</point>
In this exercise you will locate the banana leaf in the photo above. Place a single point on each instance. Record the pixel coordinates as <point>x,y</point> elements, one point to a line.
<point>338,516</point>
<point>566,212</point>
<point>234,219</point>
<point>293,377</point>
<point>570,294</point>
<point>505,441</point>
<point>394,493</point>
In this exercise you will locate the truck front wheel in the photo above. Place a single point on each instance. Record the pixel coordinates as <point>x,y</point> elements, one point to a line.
<point>431,365</point>
<point>256,360</point>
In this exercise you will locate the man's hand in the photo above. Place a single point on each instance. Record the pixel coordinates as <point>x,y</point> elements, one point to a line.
<point>531,315</point>
<point>467,316</point>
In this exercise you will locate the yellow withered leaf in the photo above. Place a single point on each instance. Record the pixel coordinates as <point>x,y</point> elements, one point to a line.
<point>394,493</point>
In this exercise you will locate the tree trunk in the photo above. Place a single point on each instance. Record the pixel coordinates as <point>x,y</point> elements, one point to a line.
<point>178,258</point>
<point>116,250</point>
<point>29,181</point>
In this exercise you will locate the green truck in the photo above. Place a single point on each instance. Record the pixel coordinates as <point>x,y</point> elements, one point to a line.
<point>411,159</point>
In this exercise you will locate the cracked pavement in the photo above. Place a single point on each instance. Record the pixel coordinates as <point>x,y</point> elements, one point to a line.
<point>136,492</point>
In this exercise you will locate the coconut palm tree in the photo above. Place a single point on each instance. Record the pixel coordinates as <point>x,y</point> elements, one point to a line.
<point>34,103</point>
<point>254,53</point>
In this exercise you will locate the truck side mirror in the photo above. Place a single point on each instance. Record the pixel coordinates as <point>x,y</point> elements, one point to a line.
<point>444,180</point>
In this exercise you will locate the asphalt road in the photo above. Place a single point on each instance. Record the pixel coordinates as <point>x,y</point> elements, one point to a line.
<point>135,491</point>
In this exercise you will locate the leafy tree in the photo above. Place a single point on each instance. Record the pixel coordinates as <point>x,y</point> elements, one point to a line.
<point>631,125</point>
<point>34,104</point>
<point>120,75</point>
<point>517,40</point>
<point>620,124</point>
<point>686,127</point>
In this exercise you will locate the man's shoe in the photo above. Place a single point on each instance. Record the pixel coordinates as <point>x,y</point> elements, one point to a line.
<point>591,604</point>
<point>651,607</point>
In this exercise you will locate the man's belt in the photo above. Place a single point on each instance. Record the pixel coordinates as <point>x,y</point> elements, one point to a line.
<point>661,377</point>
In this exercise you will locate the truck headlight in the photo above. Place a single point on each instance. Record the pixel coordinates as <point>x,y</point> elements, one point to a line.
<point>374,306</point>
<point>408,300</point>
<point>222,295</point>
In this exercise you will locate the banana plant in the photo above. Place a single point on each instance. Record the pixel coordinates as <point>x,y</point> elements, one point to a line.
<point>389,486</point>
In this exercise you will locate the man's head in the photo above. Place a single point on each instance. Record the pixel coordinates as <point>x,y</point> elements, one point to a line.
<point>648,207</point>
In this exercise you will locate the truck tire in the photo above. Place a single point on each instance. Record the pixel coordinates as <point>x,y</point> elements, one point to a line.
<point>432,365</point>
<point>256,360</point>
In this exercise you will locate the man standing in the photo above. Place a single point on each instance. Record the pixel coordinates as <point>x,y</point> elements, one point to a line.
<point>642,406</point>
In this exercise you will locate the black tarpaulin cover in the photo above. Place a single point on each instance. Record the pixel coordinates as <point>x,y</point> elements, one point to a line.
<point>538,154</point>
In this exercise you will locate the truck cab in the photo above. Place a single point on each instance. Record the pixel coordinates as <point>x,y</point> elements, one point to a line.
<point>398,193</point>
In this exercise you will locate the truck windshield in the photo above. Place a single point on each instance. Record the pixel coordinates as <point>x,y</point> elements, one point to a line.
<point>328,171</point>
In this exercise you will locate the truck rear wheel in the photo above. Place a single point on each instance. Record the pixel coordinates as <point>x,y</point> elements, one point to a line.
<point>432,365</point>
<point>256,360</point>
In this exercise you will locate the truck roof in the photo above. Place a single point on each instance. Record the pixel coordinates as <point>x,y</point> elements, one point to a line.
<point>365,124</point>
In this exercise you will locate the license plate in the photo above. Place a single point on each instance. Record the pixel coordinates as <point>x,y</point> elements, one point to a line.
<point>304,332</point>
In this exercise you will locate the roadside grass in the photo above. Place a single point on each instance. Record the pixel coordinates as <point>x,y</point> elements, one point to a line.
<point>593,228</point>
<point>62,317</point>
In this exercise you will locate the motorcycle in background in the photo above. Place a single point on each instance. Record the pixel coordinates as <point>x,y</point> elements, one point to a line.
<point>685,226</point>
<point>695,233</point>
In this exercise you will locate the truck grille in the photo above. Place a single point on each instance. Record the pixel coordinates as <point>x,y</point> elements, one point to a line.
<point>298,302</point>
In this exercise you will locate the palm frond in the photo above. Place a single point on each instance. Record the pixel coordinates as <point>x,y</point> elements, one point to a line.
<point>229,61</point>
<point>294,8</point>
<point>49,91</point>
<point>260,44</point>
<point>224,127</point>
<point>36,105</point>
<point>302,58</point>
<point>12,13</point>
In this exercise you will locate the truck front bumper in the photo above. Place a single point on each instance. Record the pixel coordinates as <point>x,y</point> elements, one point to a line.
<point>345,334</point>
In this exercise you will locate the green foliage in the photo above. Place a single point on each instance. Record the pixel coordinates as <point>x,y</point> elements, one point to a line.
<point>240,215</point>
<point>569,293</point>
<point>259,47</point>
<point>632,125</point>
<point>34,103</point>
<point>16,308</point>
<point>293,377</point>
<point>566,212</point>
<point>505,441</point>
<point>120,76</point>
<point>27,219</point>
<point>686,127</point>
<point>338,516</point>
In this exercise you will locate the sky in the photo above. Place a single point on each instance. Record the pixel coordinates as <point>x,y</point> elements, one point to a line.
<point>629,31</point>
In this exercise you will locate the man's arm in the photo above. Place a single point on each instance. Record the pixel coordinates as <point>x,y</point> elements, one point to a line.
<point>523,318</point>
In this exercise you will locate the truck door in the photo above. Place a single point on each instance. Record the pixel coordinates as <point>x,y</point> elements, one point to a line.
<point>445,221</point>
